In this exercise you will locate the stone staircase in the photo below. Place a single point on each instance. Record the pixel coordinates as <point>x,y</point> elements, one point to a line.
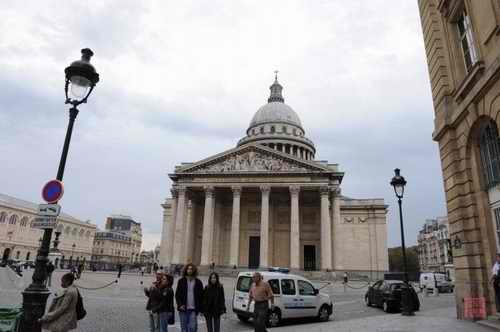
<point>492,321</point>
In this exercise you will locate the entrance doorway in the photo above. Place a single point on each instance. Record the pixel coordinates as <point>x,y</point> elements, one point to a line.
<point>6,254</point>
<point>309,258</point>
<point>254,252</point>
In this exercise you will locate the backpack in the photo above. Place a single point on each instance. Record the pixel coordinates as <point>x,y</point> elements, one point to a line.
<point>80,310</point>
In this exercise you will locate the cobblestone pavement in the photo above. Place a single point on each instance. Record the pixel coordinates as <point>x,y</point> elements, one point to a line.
<point>121,307</point>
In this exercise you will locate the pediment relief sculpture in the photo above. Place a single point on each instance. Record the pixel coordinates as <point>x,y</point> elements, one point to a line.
<point>363,220</point>
<point>250,161</point>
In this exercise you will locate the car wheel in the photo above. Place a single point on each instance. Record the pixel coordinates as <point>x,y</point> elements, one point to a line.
<point>244,319</point>
<point>385,307</point>
<point>324,313</point>
<point>367,301</point>
<point>274,318</point>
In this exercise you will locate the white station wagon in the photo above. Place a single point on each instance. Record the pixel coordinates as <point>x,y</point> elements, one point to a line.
<point>294,297</point>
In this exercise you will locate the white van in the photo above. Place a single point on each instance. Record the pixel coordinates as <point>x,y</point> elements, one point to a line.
<point>294,297</point>
<point>430,280</point>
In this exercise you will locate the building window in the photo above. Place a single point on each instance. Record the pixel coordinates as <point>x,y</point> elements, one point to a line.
<point>3,217</point>
<point>18,254</point>
<point>262,130</point>
<point>24,222</point>
<point>13,219</point>
<point>284,129</point>
<point>466,40</point>
<point>490,152</point>
<point>28,256</point>
<point>497,223</point>
<point>273,129</point>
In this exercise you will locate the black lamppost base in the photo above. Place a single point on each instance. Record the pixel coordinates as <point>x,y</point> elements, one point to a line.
<point>34,302</point>
<point>406,301</point>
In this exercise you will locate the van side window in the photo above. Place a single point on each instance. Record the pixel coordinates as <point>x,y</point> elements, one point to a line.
<point>305,288</point>
<point>275,286</point>
<point>288,287</point>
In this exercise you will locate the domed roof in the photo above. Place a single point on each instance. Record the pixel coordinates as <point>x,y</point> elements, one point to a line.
<point>275,112</point>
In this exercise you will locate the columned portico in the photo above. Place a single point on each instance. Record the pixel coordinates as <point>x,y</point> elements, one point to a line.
<point>208,227</point>
<point>235,227</point>
<point>294,228</point>
<point>326,230</point>
<point>179,226</point>
<point>264,226</point>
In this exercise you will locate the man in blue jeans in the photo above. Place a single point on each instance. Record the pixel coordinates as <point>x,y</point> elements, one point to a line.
<point>188,296</point>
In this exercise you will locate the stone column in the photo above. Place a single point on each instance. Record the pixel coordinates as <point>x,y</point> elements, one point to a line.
<point>168,231</point>
<point>190,232</point>
<point>179,227</point>
<point>264,226</point>
<point>294,229</point>
<point>337,244</point>
<point>235,228</point>
<point>326,230</point>
<point>208,227</point>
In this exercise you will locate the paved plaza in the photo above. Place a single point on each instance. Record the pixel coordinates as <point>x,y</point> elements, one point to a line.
<point>121,307</point>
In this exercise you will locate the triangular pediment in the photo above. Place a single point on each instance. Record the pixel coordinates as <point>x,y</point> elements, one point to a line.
<point>252,159</point>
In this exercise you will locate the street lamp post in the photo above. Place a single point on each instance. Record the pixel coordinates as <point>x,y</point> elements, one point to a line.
<point>81,78</point>
<point>398,182</point>
<point>72,254</point>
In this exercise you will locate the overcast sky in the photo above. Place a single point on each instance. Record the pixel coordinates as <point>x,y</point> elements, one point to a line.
<point>181,80</point>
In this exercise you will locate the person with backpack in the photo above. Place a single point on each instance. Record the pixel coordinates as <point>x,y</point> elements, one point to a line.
<point>214,303</point>
<point>165,308</point>
<point>64,312</point>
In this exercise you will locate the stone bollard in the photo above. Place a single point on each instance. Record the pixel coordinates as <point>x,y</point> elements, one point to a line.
<point>436,291</point>
<point>426,291</point>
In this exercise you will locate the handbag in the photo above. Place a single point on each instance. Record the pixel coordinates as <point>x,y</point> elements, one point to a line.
<point>171,319</point>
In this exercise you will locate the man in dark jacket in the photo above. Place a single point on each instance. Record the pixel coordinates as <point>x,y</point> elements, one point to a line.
<point>50,269</point>
<point>188,296</point>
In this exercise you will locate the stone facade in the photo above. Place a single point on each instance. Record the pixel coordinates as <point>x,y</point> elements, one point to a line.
<point>462,42</point>
<point>119,243</point>
<point>19,241</point>
<point>434,246</point>
<point>267,203</point>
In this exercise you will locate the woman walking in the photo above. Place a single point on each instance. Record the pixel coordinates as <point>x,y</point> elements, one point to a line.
<point>165,308</point>
<point>214,302</point>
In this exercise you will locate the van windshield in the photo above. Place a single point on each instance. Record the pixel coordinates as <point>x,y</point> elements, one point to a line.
<point>244,284</point>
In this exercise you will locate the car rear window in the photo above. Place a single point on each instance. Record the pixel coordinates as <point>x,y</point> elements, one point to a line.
<point>396,286</point>
<point>244,284</point>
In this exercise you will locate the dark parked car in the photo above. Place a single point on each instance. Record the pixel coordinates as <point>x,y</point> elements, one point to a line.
<point>387,295</point>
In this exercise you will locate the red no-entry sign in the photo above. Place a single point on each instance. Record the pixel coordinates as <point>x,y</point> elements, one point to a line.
<point>52,191</point>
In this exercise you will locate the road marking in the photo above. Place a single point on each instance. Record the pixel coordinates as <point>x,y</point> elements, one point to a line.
<point>346,302</point>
